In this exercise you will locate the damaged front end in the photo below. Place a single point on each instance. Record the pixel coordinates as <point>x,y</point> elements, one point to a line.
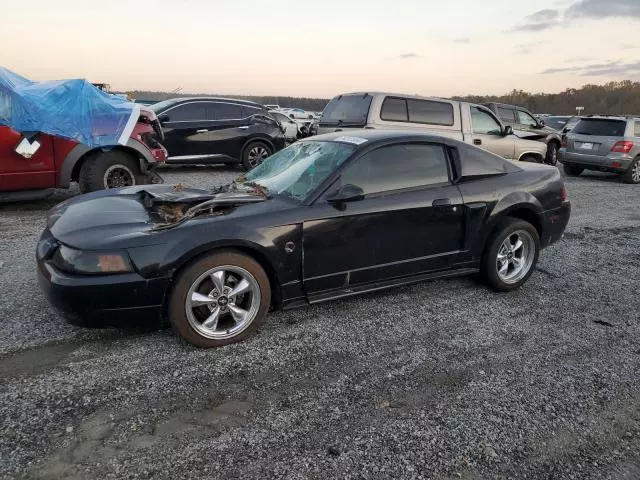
<point>169,207</point>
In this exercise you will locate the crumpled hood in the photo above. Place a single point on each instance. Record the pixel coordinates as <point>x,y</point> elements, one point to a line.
<point>123,213</point>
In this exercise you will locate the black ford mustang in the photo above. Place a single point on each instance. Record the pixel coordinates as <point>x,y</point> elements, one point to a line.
<point>327,217</point>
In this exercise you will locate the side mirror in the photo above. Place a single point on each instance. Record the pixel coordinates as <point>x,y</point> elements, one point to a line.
<point>508,130</point>
<point>347,193</point>
<point>541,123</point>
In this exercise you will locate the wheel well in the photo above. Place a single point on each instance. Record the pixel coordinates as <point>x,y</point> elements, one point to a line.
<point>75,173</point>
<point>537,156</point>
<point>258,139</point>
<point>528,216</point>
<point>276,295</point>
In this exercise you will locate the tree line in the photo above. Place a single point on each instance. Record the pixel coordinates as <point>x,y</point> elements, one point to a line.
<point>617,98</point>
<point>613,98</point>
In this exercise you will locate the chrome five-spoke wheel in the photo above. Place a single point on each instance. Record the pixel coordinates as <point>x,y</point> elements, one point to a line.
<point>515,256</point>
<point>223,302</point>
<point>257,155</point>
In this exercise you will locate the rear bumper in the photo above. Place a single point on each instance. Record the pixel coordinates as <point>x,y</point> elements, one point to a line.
<point>104,300</point>
<point>615,162</point>
<point>554,222</point>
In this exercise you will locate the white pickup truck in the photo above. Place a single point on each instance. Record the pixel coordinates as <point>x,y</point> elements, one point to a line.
<point>468,122</point>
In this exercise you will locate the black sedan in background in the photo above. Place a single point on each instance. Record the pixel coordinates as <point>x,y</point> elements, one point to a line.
<point>208,130</point>
<point>327,217</point>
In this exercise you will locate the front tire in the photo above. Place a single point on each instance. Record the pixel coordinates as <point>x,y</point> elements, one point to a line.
<point>254,154</point>
<point>572,170</point>
<point>220,299</point>
<point>633,174</point>
<point>110,169</point>
<point>511,255</point>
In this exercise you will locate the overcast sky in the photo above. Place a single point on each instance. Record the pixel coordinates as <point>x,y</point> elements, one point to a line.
<point>326,47</point>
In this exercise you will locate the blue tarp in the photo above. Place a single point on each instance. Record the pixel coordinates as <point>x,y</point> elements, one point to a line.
<point>72,109</point>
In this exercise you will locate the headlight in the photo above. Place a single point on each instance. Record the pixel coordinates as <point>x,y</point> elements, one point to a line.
<point>91,263</point>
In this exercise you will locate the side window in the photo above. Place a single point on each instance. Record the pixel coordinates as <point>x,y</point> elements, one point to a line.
<point>189,112</point>
<point>248,111</point>
<point>476,162</point>
<point>637,130</point>
<point>482,122</point>
<point>394,110</point>
<point>425,111</point>
<point>506,115</point>
<point>226,111</point>
<point>525,119</point>
<point>398,167</point>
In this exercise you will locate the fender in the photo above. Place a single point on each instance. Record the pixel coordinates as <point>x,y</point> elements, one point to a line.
<point>78,152</point>
<point>516,201</point>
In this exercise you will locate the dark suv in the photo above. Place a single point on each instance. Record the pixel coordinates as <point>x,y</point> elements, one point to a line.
<point>522,120</point>
<point>206,130</point>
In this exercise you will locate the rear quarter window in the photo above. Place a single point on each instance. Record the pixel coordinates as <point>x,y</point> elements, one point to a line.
<point>476,162</point>
<point>412,110</point>
<point>636,131</point>
<point>600,127</point>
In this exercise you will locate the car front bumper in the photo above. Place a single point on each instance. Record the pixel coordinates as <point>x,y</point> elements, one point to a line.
<point>614,162</point>
<point>121,300</point>
<point>554,222</point>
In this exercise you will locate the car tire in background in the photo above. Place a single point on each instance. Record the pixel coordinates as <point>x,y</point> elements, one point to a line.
<point>110,169</point>
<point>572,170</point>
<point>219,299</point>
<point>633,174</point>
<point>552,153</point>
<point>254,154</point>
<point>510,255</point>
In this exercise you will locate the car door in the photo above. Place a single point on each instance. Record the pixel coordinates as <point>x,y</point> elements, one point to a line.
<point>20,173</point>
<point>231,128</point>
<point>186,129</point>
<point>487,133</point>
<point>410,220</point>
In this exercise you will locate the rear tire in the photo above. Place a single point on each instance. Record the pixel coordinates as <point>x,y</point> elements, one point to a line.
<point>110,169</point>
<point>254,154</point>
<point>510,255</point>
<point>572,170</point>
<point>632,175</point>
<point>212,322</point>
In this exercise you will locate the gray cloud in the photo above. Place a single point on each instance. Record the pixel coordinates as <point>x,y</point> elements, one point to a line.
<point>604,9</point>
<point>538,21</point>
<point>462,40</point>
<point>594,9</point>
<point>615,68</point>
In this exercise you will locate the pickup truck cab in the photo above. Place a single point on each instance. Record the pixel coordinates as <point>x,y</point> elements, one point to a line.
<point>467,122</point>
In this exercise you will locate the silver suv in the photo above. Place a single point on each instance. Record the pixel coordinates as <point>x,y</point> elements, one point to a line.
<point>605,143</point>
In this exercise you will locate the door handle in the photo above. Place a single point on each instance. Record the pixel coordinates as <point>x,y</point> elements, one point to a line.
<point>204,130</point>
<point>441,202</point>
<point>477,141</point>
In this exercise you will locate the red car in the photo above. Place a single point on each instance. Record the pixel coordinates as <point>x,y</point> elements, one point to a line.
<point>58,161</point>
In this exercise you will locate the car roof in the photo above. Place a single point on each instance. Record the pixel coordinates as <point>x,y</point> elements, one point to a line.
<point>216,99</point>
<point>610,117</point>
<point>394,94</point>
<point>509,105</point>
<point>375,136</point>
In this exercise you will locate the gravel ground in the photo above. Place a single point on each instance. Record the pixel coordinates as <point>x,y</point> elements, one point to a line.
<point>440,380</point>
